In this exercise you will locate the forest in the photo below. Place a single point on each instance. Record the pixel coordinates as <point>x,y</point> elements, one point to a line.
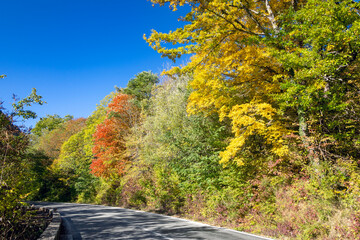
<point>259,131</point>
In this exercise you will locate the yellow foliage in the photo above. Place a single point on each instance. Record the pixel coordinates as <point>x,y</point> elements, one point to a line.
<point>234,74</point>
<point>254,118</point>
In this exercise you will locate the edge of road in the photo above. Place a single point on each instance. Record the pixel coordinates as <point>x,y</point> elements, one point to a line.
<point>204,224</point>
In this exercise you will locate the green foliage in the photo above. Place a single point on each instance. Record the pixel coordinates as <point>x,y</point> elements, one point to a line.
<point>167,195</point>
<point>49,123</point>
<point>19,106</point>
<point>318,48</point>
<point>50,142</point>
<point>140,87</point>
<point>74,163</point>
<point>188,144</point>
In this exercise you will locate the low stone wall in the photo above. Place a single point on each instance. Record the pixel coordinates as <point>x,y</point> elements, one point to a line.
<point>52,232</point>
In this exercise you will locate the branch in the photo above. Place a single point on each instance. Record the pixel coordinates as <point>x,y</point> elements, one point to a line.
<point>235,27</point>
<point>271,16</point>
<point>255,20</point>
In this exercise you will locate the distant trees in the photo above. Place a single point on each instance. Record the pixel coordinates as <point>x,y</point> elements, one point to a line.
<point>56,133</point>
<point>73,163</point>
<point>49,123</point>
<point>140,86</point>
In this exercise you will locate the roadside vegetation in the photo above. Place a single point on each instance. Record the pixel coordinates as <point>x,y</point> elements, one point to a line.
<point>259,131</point>
<point>16,169</point>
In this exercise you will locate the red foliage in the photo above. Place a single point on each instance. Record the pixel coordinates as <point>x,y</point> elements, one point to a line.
<point>109,138</point>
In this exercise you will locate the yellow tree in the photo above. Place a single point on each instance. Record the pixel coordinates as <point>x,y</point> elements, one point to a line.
<point>234,74</point>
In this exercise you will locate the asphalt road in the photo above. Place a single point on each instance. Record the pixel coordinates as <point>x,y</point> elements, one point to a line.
<point>83,221</point>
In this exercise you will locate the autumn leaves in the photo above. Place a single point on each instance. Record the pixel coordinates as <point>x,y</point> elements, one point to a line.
<point>109,138</point>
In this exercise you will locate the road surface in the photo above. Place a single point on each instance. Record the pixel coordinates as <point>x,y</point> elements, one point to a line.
<point>83,221</point>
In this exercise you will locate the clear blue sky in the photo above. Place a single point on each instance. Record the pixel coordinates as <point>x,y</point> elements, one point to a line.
<point>75,51</point>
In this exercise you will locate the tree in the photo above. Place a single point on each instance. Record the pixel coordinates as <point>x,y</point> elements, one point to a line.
<point>140,87</point>
<point>19,106</point>
<point>49,123</point>
<point>233,71</point>
<point>109,138</point>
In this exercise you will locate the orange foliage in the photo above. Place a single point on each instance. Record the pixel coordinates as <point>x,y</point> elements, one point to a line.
<point>109,138</point>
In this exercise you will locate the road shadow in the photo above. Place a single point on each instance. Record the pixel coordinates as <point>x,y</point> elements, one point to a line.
<point>69,228</point>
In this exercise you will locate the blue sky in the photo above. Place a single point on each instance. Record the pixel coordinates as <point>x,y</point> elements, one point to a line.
<point>75,51</point>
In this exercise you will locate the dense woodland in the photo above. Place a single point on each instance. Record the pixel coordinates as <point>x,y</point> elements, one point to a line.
<point>259,131</point>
